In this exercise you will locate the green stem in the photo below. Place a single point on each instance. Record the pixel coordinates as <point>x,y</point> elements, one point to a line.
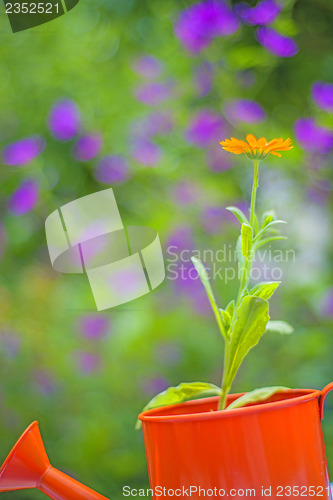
<point>255,185</point>
<point>224,390</point>
<point>244,281</point>
<point>248,260</point>
<point>223,399</point>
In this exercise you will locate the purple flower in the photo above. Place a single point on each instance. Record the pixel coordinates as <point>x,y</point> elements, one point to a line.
<point>217,159</point>
<point>22,152</point>
<point>25,198</point>
<point>148,66</point>
<point>205,128</point>
<point>316,162</point>
<point>244,110</point>
<point>10,343</point>
<point>64,120</point>
<point>3,239</point>
<point>265,12</point>
<point>156,123</point>
<point>322,95</point>
<point>146,152</point>
<point>200,23</point>
<point>321,192</point>
<point>94,326</point>
<point>44,382</point>
<point>168,353</point>
<point>312,137</point>
<point>328,303</point>
<point>204,78</point>
<point>154,386</point>
<point>112,169</point>
<point>213,219</point>
<point>87,147</point>
<point>181,238</point>
<point>185,193</point>
<point>277,44</point>
<point>153,93</point>
<point>88,362</point>
<point>179,247</point>
<point>187,283</point>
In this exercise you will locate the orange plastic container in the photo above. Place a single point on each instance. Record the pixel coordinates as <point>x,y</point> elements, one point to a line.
<point>275,449</point>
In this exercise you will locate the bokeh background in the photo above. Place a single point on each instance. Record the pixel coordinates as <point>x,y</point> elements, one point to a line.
<point>136,95</point>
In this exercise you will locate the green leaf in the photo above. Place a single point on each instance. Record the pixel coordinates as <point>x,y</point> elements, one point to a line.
<point>267,217</point>
<point>265,290</point>
<point>268,240</point>
<point>268,227</point>
<point>247,235</point>
<point>238,214</point>
<point>279,327</point>
<point>249,326</point>
<point>183,392</point>
<point>203,275</point>
<point>205,281</point>
<point>231,308</point>
<point>256,396</point>
<point>239,254</point>
<point>226,318</point>
<point>275,222</point>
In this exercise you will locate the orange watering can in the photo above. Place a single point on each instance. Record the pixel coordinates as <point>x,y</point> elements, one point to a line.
<point>27,466</point>
<point>269,449</point>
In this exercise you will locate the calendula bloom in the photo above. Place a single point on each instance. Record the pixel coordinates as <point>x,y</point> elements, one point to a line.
<point>256,149</point>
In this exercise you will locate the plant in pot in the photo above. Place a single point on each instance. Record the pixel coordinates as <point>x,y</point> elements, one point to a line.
<point>267,442</point>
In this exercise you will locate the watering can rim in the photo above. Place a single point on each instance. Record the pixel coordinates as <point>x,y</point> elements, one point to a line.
<point>306,395</point>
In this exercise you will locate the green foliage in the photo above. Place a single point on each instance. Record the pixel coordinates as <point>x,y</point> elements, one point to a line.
<point>226,318</point>
<point>246,235</point>
<point>238,214</point>
<point>279,327</point>
<point>183,392</point>
<point>250,324</point>
<point>265,241</point>
<point>239,253</point>
<point>267,218</point>
<point>256,396</point>
<point>265,290</point>
<point>230,309</point>
<point>268,228</point>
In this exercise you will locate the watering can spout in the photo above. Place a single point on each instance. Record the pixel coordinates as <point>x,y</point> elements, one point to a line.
<point>27,466</point>
<point>26,463</point>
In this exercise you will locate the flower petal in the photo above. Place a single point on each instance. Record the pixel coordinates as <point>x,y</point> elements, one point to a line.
<point>262,142</point>
<point>236,151</point>
<point>275,154</point>
<point>251,140</point>
<point>257,148</point>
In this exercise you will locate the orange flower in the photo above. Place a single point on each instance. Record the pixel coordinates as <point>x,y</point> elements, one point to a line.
<point>256,149</point>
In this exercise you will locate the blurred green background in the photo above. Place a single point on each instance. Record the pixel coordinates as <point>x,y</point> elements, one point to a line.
<point>157,112</point>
